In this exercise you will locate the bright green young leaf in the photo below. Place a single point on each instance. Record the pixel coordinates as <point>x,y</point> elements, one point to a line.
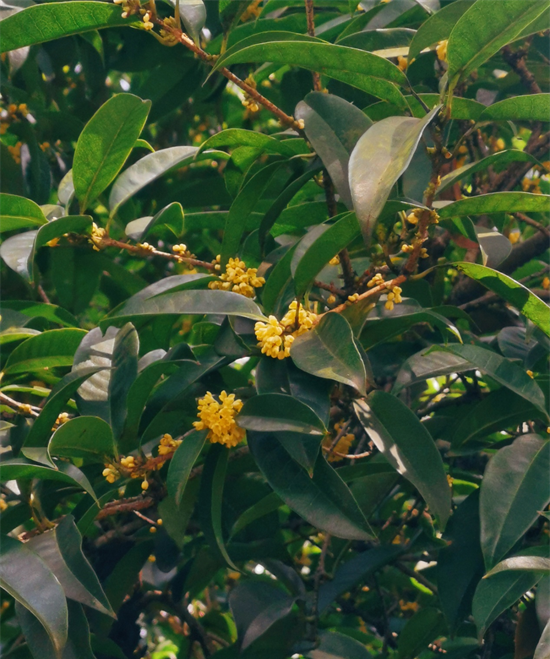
<point>51,349</point>
<point>408,446</point>
<point>19,213</point>
<point>105,143</point>
<point>512,291</point>
<point>39,23</point>
<point>513,490</point>
<point>40,592</point>
<point>329,351</point>
<point>378,160</point>
<point>279,413</point>
<point>531,107</point>
<point>333,126</point>
<point>323,499</point>
<point>484,28</point>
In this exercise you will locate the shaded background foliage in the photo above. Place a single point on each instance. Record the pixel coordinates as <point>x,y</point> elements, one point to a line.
<point>400,454</point>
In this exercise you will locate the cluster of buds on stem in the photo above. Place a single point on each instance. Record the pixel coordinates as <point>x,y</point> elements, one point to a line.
<point>237,278</point>
<point>275,338</point>
<point>96,239</point>
<point>218,417</point>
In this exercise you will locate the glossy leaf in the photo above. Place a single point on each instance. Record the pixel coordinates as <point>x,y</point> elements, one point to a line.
<point>16,250</point>
<point>408,446</point>
<point>322,499</point>
<point>37,24</point>
<point>170,217</point>
<point>238,137</point>
<point>124,372</point>
<point>423,628</point>
<point>333,126</point>
<point>513,490</point>
<point>329,351</point>
<point>279,413</point>
<point>484,28</point>
<point>543,648</point>
<point>210,500</point>
<point>512,291</point>
<point>531,107</point>
<point>504,371</point>
<point>105,143</point>
<point>40,592</point>
<point>182,463</point>
<point>19,213</point>
<point>193,17</point>
<point>497,202</point>
<point>86,437</point>
<point>51,349</point>
<point>378,160</point>
<point>537,564</point>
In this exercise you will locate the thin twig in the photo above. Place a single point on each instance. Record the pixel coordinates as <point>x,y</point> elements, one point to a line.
<point>311,31</point>
<point>533,223</point>
<point>21,408</point>
<point>376,290</point>
<point>151,251</point>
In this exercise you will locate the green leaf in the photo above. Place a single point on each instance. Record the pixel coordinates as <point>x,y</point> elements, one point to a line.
<point>329,351</point>
<point>264,506</point>
<point>320,245</point>
<point>40,23</point>
<point>333,126</point>
<point>333,645</point>
<point>191,302</point>
<point>537,564</point>
<point>242,207</point>
<point>543,648</point>
<point>380,157</point>
<point>125,368</point>
<point>460,564</point>
<point>210,500</point>
<point>279,413</point>
<point>182,463</point>
<point>497,202</point>
<point>86,437</point>
<point>420,630</point>
<point>512,291</point>
<point>170,217</point>
<point>531,107</point>
<point>428,364</point>
<point>238,137</point>
<point>358,68</point>
<point>501,591</point>
<point>438,27</point>
<point>150,168</point>
<point>408,446</point>
<point>514,488</point>
<point>386,43</point>
<point>50,349</point>
<point>105,143</point>
<point>484,29</point>
<point>61,550</point>
<point>16,250</point>
<point>498,160</point>
<point>32,309</point>
<point>37,439</point>
<point>78,640</point>
<point>278,279</point>
<point>323,499</point>
<point>19,213</point>
<point>504,371</point>
<point>76,273</point>
<point>40,592</point>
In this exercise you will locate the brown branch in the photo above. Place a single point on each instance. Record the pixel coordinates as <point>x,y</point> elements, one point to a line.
<point>331,288</point>
<point>377,290</point>
<point>533,223</point>
<point>209,59</point>
<point>21,408</point>
<point>516,60</point>
<point>311,31</point>
<point>151,251</point>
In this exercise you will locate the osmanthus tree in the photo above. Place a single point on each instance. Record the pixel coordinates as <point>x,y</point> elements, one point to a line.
<point>275,333</point>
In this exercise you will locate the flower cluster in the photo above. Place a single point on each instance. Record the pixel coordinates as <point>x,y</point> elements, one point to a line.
<point>275,338</point>
<point>15,152</point>
<point>237,278</point>
<point>130,7</point>
<point>394,297</point>
<point>342,446</point>
<point>377,280</point>
<point>111,473</point>
<point>167,444</point>
<point>98,233</point>
<point>61,419</point>
<point>441,50</point>
<point>531,185</point>
<point>219,419</point>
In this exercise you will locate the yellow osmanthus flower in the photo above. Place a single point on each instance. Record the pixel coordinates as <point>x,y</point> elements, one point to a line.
<point>394,297</point>
<point>219,419</point>
<point>531,185</point>
<point>61,419</point>
<point>252,11</point>
<point>341,447</point>
<point>111,473</point>
<point>331,299</point>
<point>15,152</point>
<point>402,62</point>
<point>546,283</point>
<point>441,50</point>
<point>3,504</point>
<point>335,260</point>
<point>167,444</point>
<point>271,338</point>
<point>98,233</point>
<point>377,280</point>
<point>353,298</point>
<point>237,278</point>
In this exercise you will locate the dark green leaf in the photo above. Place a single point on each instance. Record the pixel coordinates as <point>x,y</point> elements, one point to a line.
<point>329,351</point>
<point>423,628</point>
<point>378,160</point>
<point>75,273</point>
<point>40,23</point>
<point>170,217</point>
<point>428,364</point>
<point>124,372</point>
<point>279,413</point>
<point>514,489</point>
<point>408,446</point>
<point>238,137</point>
<point>531,107</point>
<point>264,506</point>
<point>537,564</point>
<point>105,143</point>
<point>323,499</point>
<point>182,462</point>
<point>334,645</point>
<point>83,437</point>
<point>497,202</point>
<point>19,213</point>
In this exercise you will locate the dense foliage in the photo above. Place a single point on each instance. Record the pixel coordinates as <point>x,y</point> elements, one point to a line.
<point>275,334</point>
